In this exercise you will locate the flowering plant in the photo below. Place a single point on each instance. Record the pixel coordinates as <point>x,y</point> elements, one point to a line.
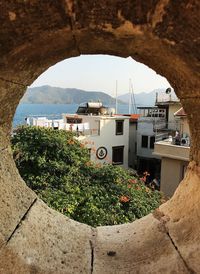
<point>58,168</point>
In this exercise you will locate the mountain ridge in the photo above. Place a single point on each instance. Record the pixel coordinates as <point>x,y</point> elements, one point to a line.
<point>147,98</point>
<point>55,95</point>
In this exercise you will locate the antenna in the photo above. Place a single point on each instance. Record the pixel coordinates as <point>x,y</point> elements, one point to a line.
<point>116,103</point>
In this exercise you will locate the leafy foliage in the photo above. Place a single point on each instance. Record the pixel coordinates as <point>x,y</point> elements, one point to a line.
<point>57,167</point>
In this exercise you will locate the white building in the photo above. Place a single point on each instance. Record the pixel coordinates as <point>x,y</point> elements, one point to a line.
<point>105,134</point>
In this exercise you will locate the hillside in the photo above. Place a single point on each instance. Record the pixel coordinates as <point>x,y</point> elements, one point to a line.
<point>146,99</point>
<point>56,95</point>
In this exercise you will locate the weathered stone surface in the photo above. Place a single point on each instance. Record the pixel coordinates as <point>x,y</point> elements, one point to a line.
<point>47,242</point>
<point>183,221</point>
<point>140,247</point>
<point>163,34</point>
<point>8,102</point>
<point>16,197</point>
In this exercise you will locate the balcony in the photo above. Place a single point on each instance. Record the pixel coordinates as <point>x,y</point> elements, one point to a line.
<point>167,149</point>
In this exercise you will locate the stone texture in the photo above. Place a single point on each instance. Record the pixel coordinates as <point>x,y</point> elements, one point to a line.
<point>34,35</point>
<point>47,242</point>
<point>8,101</point>
<point>16,197</point>
<point>183,221</point>
<point>140,247</point>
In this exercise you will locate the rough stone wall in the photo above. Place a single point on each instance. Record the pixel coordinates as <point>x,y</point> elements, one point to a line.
<point>163,34</point>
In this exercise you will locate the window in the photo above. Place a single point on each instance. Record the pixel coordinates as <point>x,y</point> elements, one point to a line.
<point>152,141</point>
<point>144,141</point>
<point>118,155</point>
<point>119,127</point>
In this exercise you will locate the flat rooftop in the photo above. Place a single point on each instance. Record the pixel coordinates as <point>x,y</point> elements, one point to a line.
<point>114,116</point>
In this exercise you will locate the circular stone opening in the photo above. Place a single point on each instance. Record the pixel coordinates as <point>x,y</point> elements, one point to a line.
<point>58,167</point>
<point>34,238</point>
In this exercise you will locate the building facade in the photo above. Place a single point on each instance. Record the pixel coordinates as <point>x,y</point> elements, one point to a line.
<point>154,124</point>
<point>107,138</point>
<point>174,153</point>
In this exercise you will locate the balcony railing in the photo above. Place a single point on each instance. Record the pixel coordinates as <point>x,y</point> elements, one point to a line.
<point>162,98</point>
<point>167,149</point>
<point>163,125</point>
<point>80,129</point>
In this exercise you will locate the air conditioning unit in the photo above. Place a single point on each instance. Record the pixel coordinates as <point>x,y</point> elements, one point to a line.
<point>185,142</point>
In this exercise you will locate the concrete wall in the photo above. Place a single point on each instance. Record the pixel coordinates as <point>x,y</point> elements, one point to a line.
<point>132,159</point>
<point>171,120</point>
<point>145,127</point>
<point>185,126</point>
<point>172,173</point>
<point>166,149</point>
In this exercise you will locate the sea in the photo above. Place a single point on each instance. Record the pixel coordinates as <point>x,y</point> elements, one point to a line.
<point>51,111</point>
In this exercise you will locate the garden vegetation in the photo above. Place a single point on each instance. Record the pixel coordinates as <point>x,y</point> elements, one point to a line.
<point>58,168</point>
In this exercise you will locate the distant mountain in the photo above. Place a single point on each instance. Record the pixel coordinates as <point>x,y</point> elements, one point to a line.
<point>56,95</point>
<point>146,99</point>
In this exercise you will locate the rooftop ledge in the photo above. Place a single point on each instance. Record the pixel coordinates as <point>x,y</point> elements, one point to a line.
<point>168,150</point>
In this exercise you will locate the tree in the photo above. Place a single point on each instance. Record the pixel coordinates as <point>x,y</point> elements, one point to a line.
<point>57,167</point>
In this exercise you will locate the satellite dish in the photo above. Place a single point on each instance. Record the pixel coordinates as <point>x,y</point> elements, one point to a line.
<point>168,90</point>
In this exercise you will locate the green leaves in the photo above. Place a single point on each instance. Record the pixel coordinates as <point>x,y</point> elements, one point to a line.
<point>57,167</point>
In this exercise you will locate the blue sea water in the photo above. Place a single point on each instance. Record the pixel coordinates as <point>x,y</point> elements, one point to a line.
<point>51,111</point>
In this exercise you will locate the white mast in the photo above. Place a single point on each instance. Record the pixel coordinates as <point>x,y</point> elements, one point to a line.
<point>116,103</point>
<point>129,101</point>
<point>133,98</point>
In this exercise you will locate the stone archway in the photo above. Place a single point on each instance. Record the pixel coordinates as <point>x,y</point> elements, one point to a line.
<point>164,34</point>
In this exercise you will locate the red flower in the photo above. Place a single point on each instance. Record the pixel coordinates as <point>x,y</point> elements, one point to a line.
<point>143,179</point>
<point>132,181</point>
<point>124,199</point>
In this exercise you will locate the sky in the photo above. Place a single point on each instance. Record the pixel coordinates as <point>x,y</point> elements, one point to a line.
<point>100,73</point>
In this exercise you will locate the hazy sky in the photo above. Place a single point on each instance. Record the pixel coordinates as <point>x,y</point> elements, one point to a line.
<point>100,72</point>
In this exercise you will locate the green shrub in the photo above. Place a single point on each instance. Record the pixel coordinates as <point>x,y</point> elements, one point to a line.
<point>57,167</point>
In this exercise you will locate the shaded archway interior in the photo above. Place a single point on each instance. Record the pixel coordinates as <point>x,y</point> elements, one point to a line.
<point>34,237</point>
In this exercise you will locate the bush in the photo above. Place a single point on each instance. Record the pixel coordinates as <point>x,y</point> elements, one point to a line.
<point>57,167</point>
